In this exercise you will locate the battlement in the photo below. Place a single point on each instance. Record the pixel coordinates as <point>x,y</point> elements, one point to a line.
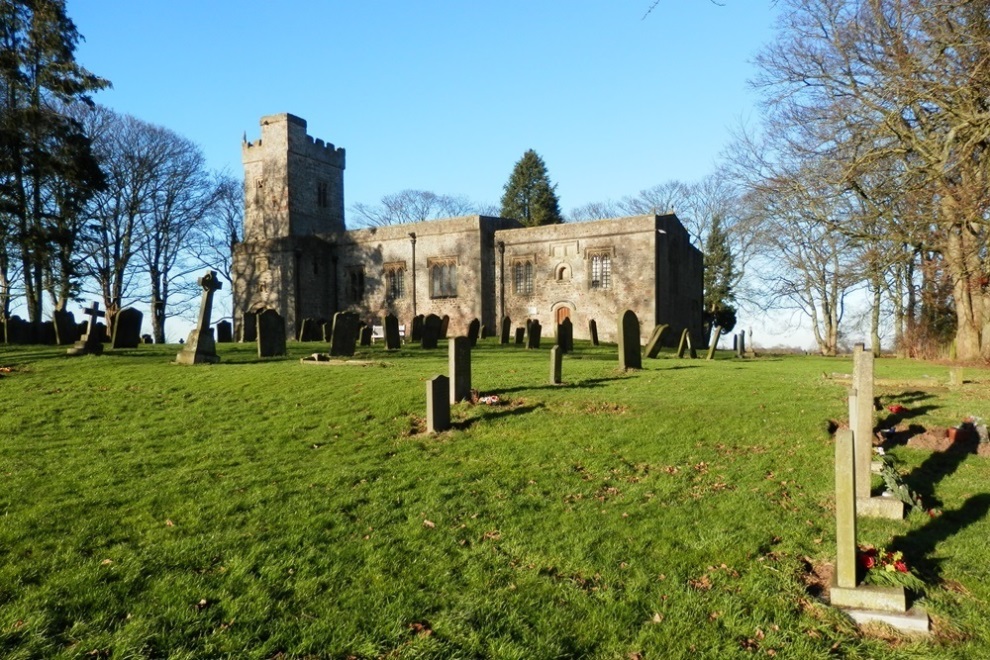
<point>286,132</point>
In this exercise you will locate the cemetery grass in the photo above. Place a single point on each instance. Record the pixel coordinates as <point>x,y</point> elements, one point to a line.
<point>266,509</point>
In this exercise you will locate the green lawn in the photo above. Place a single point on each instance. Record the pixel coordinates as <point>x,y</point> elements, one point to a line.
<point>266,509</point>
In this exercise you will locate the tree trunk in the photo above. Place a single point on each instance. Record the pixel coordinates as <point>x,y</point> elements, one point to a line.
<point>875,315</point>
<point>963,262</point>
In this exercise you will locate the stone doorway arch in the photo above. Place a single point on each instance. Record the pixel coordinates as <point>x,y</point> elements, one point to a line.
<point>561,311</point>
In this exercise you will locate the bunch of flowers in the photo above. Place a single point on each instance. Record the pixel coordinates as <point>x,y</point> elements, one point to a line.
<point>885,568</point>
<point>895,485</point>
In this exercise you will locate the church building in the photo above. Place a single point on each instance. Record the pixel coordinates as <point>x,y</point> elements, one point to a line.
<point>298,258</point>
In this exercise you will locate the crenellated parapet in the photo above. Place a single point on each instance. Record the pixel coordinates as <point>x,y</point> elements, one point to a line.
<point>288,132</point>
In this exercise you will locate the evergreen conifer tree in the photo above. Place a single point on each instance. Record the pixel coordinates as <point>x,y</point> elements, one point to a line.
<point>720,274</point>
<point>529,196</point>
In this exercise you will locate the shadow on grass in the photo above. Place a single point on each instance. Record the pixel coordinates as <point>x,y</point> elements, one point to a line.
<point>918,545</point>
<point>495,413</point>
<point>938,466</point>
<point>583,385</point>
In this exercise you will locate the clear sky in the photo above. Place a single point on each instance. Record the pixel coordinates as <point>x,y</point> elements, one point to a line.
<point>446,95</point>
<point>443,95</point>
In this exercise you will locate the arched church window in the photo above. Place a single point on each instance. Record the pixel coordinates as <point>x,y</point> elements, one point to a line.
<point>601,271</point>
<point>443,277</point>
<point>522,277</point>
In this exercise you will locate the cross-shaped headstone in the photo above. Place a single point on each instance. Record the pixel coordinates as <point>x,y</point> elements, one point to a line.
<point>94,313</point>
<point>211,284</point>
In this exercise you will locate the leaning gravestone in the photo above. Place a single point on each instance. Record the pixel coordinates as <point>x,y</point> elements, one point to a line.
<point>343,337</point>
<point>271,334</point>
<point>437,404</point>
<point>593,331</point>
<point>200,348</point>
<point>533,336</point>
<point>459,363</point>
<point>127,328</point>
<point>225,333</point>
<point>714,344</point>
<point>474,328</point>
<point>417,328</point>
<point>565,336</point>
<point>629,349</point>
<point>91,343</point>
<point>520,336</point>
<point>505,331</point>
<point>444,326</point>
<point>431,331</point>
<point>309,330</point>
<point>656,341</point>
<point>65,327</point>
<point>685,345</point>
<point>249,327</point>
<point>392,340</point>
<point>556,362</point>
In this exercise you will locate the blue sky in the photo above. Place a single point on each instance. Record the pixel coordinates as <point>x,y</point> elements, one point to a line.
<point>443,95</point>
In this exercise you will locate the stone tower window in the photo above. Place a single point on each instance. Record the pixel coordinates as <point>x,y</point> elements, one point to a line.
<point>601,271</point>
<point>321,195</point>
<point>443,277</point>
<point>355,284</point>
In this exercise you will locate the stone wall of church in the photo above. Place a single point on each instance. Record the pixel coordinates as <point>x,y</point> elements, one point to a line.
<point>594,270</point>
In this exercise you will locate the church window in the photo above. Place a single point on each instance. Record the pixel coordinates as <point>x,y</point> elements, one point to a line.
<point>395,281</point>
<point>601,271</point>
<point>355,284</point>
<point>522,277</point>
<point>443,277</point>
<point>321,195</point>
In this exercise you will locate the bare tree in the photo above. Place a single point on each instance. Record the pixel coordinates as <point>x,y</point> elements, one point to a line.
<point>411,206</point>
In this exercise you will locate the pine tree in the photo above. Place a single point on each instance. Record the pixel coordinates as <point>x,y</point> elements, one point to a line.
<point>720,275</point>
<point>529,196</point>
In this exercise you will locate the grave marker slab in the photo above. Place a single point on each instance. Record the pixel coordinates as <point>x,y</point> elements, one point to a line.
<point>556,363</point>
<point>66,330</point>
<point>392,339</point>
<point>437,404</point>
<point>565,336</point>
<point>505,331</point>
<point>365,335</point>
<point>225,332</point>
<point>92,342</point>
<point>520,336</point>
<point>474,329</point>
<point>200,347</point>
<point>593,331</point>
<point>271,334</point>
<point>656,341</point>
<point>249,327</point>
<point>343,336</point>
<point>431,331</point>
<point>127,328</point>
<point>714,344</point>
<point>147,339</point>
<point>417,328</point>
<point>459,367</point>
<point>444,326</point>
<point>533,334</point>
<point>629,348</point>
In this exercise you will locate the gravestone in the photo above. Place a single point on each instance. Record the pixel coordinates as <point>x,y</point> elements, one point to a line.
<point>741,345</point>
<point>505,331</point>
<point>66,330</point>
<point>861,417</point>
<point>520,336</point>
<point>344,335</point>
<point>533,335</point>
<point>629,348</point>
<point>735,344</point>
<point>18,332</point>
<point>714,344</point>
<point>459,364</point>
<point>103,332</point>
<point>656,341</point>
<point>271,334</point>
<point>863,603</point>
<point>392,340</point>
<point>365,335</point>
<point>955,376</point>
<point>249,327</point>
<point>593,331</point>
<point>444,326</point>
<point>127,328</point>
<point>474,328</point>
<point>431,332</point>
<point>46,333</point>
<point>309,330</point>
<point>437,404</point>
<point>90,343</point>
<point>147,339</point>
<point>565,336</point>
<point>483,333</point>
<point>417,328</point>
<point>556,362</point>
<point>200,348</point>
<point>225,332</point>
<point>683,343</point>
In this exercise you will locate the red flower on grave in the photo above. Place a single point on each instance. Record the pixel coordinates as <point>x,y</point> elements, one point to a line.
<point>897,409</point>
<point>900,566</point>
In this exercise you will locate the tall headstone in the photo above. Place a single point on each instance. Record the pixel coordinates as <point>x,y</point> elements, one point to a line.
<point>593,331</point>
<point>484,332</point>
<point>365,335</point>
<point>714,344</point>
<point>862,421</point>
<point>505,331</point>
<point>271,334</point>
<point>200,348</point>
<point>459,363</point>
<point>444,326</point>
<point>438,404</point>
<point>343,336</point>
<point>565,336</point>
<point>556,362</point>
<point>520,336</point>
<point>90,343</point>
<point>656,341</point>
<point>533,334</point>
<point>65,327</point>
<point>392,340</point>
<point>845,510</point>
<point>683,343</point>
<point>225,332</point>
<point>741,345</point>
<point>249,327</point>
<point>474,329</point>
<point>417,328</point>
<point>431,331</point>
<point>309,330</point>
<point>629,349</point>
<point>127,328</point>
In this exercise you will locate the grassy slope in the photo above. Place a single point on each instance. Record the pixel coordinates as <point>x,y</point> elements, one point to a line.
<point>665,512</point>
